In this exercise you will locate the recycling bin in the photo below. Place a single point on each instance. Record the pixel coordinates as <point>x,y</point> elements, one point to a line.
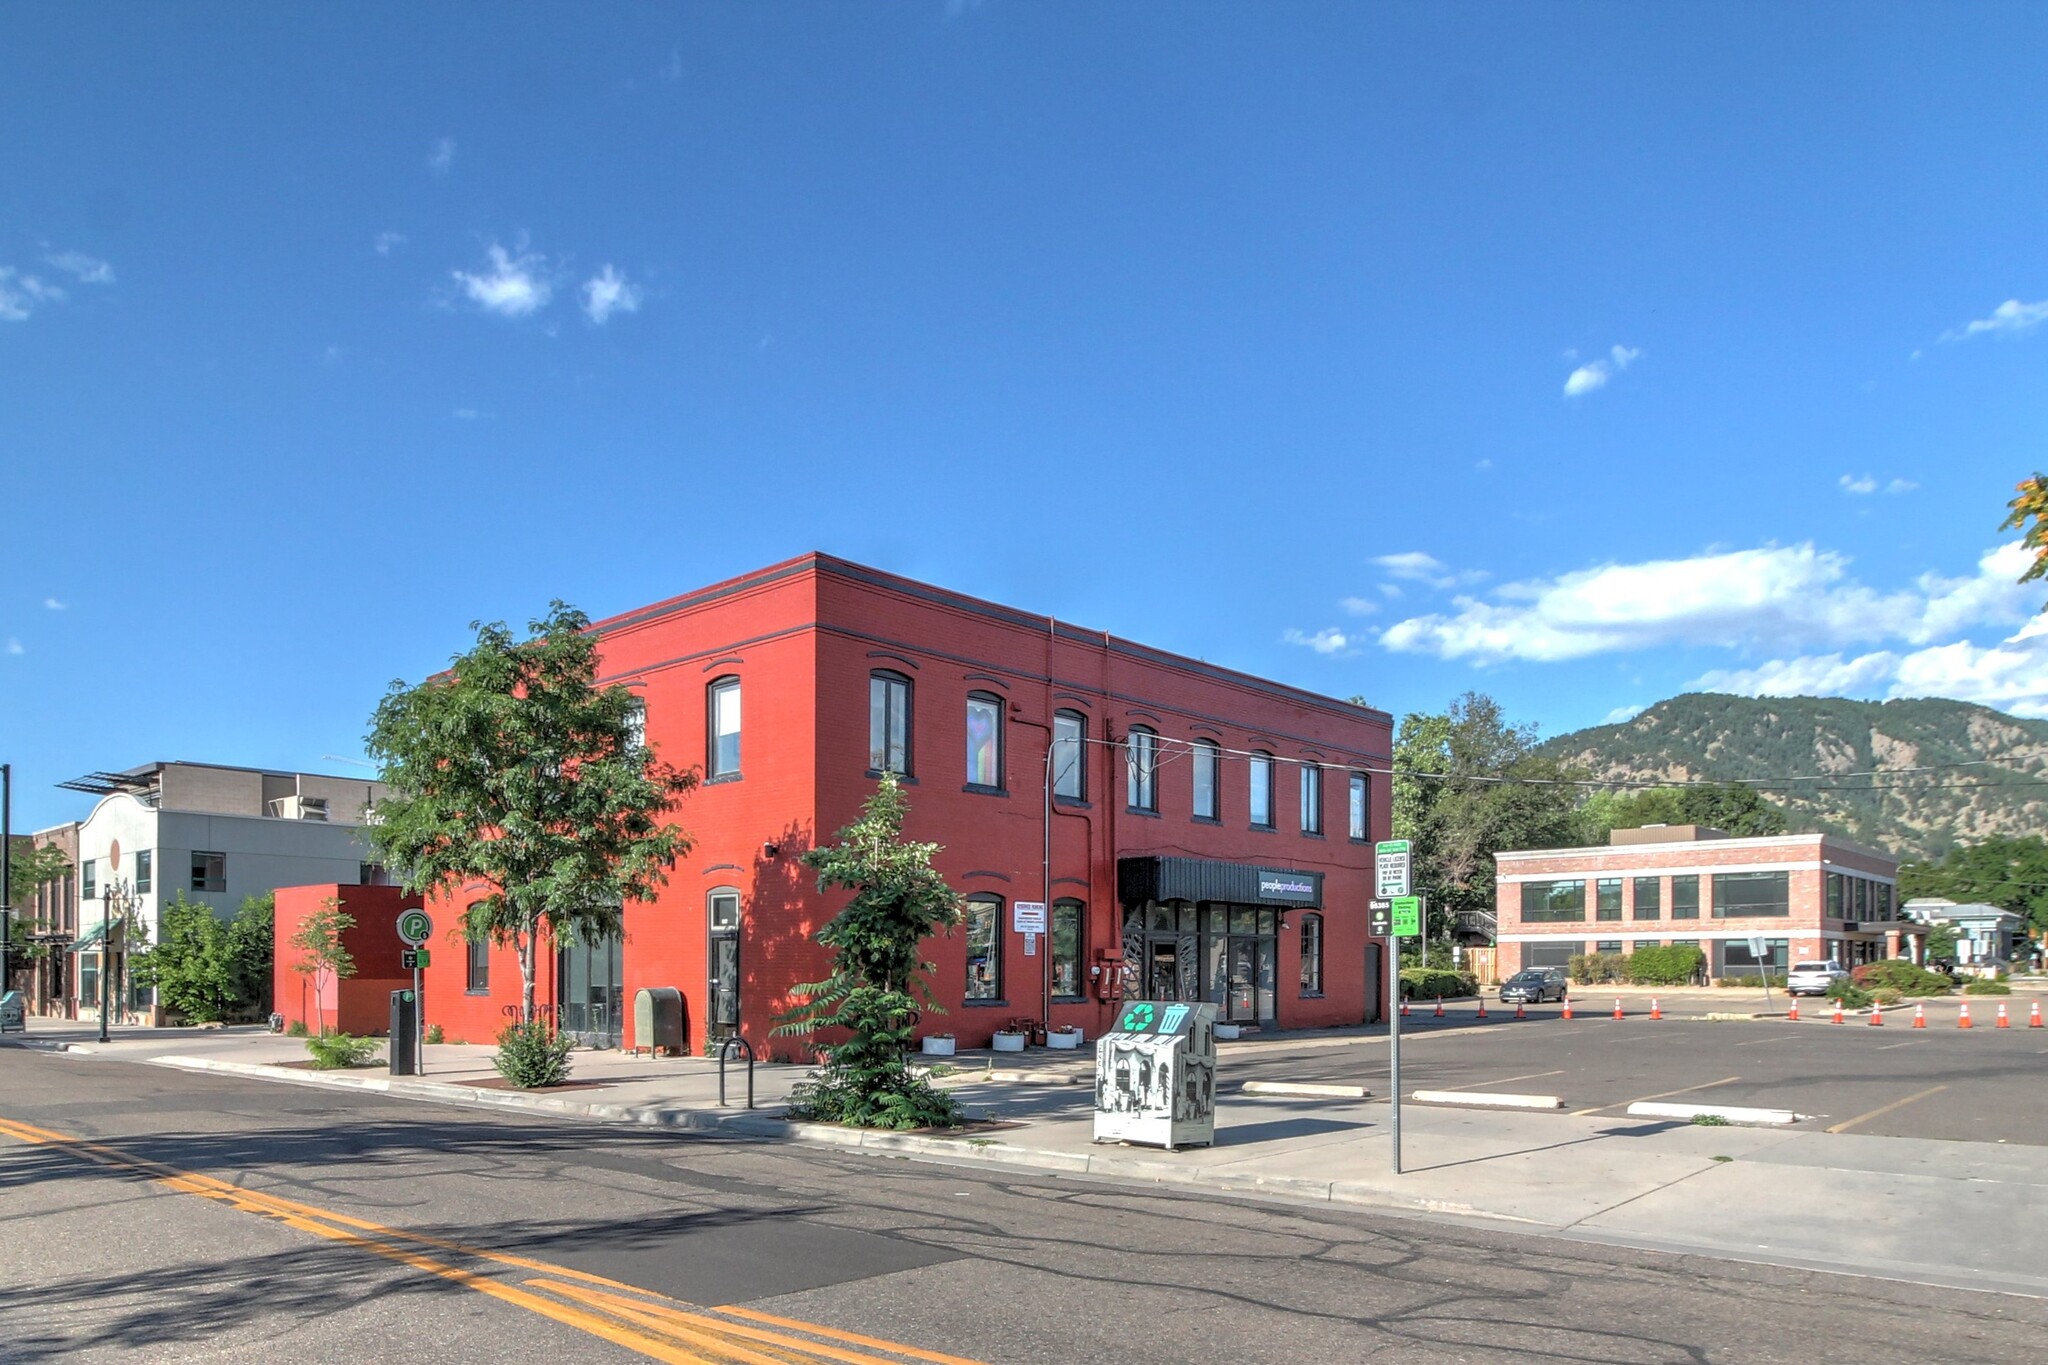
<point>1155,1075</point>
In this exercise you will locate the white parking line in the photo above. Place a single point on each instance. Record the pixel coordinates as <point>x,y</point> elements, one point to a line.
<point>1507,1080</point>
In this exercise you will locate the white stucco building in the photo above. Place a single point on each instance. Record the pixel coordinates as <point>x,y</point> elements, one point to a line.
<point>215,834</point>
<point>1986,936</point>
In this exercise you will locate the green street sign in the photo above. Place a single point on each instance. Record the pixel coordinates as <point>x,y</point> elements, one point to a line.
<point>415,927</point>
<point>422,956</point>
<point>1407,916</point>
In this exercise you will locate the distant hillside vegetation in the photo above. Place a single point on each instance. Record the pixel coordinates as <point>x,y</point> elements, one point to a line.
<point>1707,735</point>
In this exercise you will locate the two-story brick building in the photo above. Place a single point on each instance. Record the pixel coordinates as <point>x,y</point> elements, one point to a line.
<point>1193,832</point>
<point>1809,897</point>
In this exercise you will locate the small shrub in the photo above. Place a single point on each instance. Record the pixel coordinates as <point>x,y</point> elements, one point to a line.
<point>532,1055</point>
<point>1436,983</point>
<point>1709,1121</point>
<point>1887,996</point>
<point>1592,969</point>
<point>295,1029</point>
<point>1901,976</point>
<point>334,1051</point>
<point>1852,996</point>
<point>1753,980</point>
<point>1987,987</point>
<point>435,1035</point>
<point>1674,965</point>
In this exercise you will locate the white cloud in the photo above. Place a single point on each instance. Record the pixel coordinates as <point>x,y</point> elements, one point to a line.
<point>1594,374</point>
<point>1359,606</point>
<point>2011,318</point>
<point>83,268</point>
<point>1779,596</point>
<point>672,69</point>
<point>512,287</point>
<point>1812,675</point>
<point>21,295</point>
<point>2011,675</point>
<point>1898,486</point>
<point>1859,487</point>
<point>441,156</point>
<point>52,604</point>
<point>1620,714</point>
<point>1418,567</point>
<point>387,242</point>
<point>465,414</point>
<point>14,646</point>
<point>1483,465</point>
<point>609,292</point>
<point>1328,640</point>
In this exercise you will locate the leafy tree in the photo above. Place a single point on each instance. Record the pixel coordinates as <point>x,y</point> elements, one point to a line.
<point>318,941</point>
<point>1731,806</point>
<point>251,943</point>
<point>30,867</point>
<point>190,966</point>
<point>1941,941</point>
<point>2028,511</point>
<point>516,769</point>
<point>1449,802</point>
<point>2010,872</point>
<point>874,993</point>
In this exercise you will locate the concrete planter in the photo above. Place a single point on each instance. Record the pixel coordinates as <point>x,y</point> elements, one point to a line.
<point>938,1047</point>
<point>1009,1042</point>
<point>1064,1039</point>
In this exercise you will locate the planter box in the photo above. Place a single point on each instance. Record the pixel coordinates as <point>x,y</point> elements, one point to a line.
<point>938,1047</point>
<point>1009,1042</point>
<point>1065,1041</point>
<point>1228,1031</point>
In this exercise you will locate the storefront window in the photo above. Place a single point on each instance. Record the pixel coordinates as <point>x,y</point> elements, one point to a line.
<point>1744,895</point>
<point>984,948</point>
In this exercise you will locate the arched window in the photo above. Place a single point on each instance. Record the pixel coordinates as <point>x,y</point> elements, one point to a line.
<point>984,740</point>
<point>1208,769</point>
<point>1069,755</point>
<point>1262,790</point>
<point>1141,769</point>
<point>1312,954</point>
<point>984,947</point>
<point>889,719</point>
<point>722,725</point>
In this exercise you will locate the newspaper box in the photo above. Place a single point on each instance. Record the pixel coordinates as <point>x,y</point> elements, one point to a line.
<point>1155,1075</point>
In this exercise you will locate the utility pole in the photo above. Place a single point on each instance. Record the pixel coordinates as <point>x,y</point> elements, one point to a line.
<point>6,873</point>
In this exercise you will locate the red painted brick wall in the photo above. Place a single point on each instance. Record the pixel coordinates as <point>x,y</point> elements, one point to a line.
<point>356,1004</point>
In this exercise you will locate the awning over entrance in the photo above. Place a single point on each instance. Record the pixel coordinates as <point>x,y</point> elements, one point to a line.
<point>1150,878</point>
<point>88,941</point>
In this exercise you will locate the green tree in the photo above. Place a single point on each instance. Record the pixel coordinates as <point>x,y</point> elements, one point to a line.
<point>1731,806</point>
<point>1466,786</point>
<point>321,950</point>
<point>874,992</point>
<point>2010,872</point>
<point>30,867</point>
<point>190,966</point>
<point>1941,941</point>
<point>252,953</point>
<point>514,768</point>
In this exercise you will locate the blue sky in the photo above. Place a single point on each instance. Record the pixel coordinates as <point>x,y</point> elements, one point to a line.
<point>1576,353</point>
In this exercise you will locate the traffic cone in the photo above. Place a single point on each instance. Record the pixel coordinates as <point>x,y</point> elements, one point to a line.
<point>1656,1010</point>
<point>1482,1007</point>
<point>2002,1021</point>
<point>1567,1007</point>
<point>1792,1015</point>
<point>1964,1020</point>
<point>1617,1009</point>
<point>1439,1007</point>
<point>1404,1007</point>
<point>2034,1017</point>
<point>1919,1016</point>
<point>1877,1016</point>
<point>1518,1011</point>
<point>1838,1011</point>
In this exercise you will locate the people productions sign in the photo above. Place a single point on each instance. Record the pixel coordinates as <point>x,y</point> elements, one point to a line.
<point>1287,886</point>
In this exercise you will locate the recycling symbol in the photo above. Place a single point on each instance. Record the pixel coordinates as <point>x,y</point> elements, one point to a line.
<point>1137,1018</point>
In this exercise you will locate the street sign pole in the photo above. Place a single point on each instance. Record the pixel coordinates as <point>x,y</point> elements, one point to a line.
<point>414,928</point>
<point>1394,1040</point>
<point>1394,918</point>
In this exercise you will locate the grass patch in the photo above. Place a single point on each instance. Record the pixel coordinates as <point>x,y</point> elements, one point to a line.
<point>1709,1121</point>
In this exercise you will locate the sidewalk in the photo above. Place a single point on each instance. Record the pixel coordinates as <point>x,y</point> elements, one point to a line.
<point>1958,1214</point>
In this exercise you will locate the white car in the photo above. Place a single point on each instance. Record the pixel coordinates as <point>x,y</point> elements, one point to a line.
<point>1814,978</point>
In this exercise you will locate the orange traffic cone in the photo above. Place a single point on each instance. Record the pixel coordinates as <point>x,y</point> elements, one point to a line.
<point>1482,1007</point>
<point>1838,1011</point>
<point>1404,1007</point>
<point>1919,1016</point>
<point>1964,1020</point>
<point>1567,1007</point>
<point>1792,1015</point>
<point>2002,1021</point>
<point>2034,1017</point>
<point>1877,1016</point>
<point>1518,1011</point>
<point>1617,1009</point>
<point>1439,1007</point>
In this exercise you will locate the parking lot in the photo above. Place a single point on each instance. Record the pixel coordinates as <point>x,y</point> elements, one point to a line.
<point>1978,1085</point>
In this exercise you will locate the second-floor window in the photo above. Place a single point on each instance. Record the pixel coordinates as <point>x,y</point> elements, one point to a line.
<point>889,723</point>
<point>1357,811</point>
<point>1141,769</point>
<point>984,740</point>
<point>89,879</point>
<point>1649,898</point>
<point>1552,902</point>
<point>1262,790</point>
<point>1311,799</point>
<point>1208,767</point>
<point>145,872</point>
<point>1607,903</point>
<point>209,871</point>
<point>1069,750</point>
<point>722,747</point>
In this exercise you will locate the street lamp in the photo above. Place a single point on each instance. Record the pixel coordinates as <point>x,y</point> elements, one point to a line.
<point>119,895</point>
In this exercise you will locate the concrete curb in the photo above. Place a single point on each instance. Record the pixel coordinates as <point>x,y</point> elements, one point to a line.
<point>1305,1090</point>
<point>1483,1099</point>
<point>1648,1109</point>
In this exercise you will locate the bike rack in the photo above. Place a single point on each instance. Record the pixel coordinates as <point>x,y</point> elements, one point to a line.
<point>724,1052</point>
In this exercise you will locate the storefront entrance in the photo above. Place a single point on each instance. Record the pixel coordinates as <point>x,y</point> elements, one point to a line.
<point>1225,954</point>
<point>592,991</point>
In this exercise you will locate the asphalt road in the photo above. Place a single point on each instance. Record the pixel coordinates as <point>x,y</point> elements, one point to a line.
<point>156,1215</point>
<point>1980,1084</point>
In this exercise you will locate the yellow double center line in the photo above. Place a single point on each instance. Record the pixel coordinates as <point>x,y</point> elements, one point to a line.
<point>633,1318</point>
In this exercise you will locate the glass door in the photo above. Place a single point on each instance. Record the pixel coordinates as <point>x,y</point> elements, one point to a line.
<point>593,992</point>
<point>1240,1001</point>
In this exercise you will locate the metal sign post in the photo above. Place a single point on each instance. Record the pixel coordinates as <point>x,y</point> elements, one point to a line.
<point>414,928</point>
<point>1394,918</point>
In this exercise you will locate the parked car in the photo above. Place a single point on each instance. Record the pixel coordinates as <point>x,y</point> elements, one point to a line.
<point>1536,985</point>
<point>1814,978</point>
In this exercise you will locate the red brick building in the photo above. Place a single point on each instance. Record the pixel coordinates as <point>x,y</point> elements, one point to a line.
<point>1809,897</point>
<point>1207,834</point>
<point>359,1003</point>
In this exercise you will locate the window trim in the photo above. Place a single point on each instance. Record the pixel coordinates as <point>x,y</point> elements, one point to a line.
<point>1141,778</point>
<point>995,704</point>
<point>996,903</point>
<point>889,677</point>
<point>1260,760</point>
<point>713,691</point>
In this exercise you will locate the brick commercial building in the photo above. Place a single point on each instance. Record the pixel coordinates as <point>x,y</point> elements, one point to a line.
<point>1808,896</point>
<point>1204,834</point>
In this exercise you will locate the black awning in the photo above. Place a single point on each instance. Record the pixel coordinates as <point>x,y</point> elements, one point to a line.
<point>1148,878</point>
